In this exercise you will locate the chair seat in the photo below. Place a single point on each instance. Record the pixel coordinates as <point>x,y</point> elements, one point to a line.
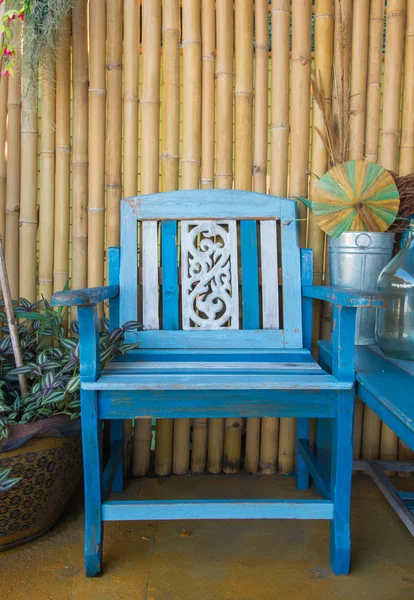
<point>206,370</point>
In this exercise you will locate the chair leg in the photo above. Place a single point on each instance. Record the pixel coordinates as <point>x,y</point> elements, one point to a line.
<point>117,434</point>
<point>323,441</point>
<point>340,483</point>
<point>92,467</point>
<point>302,473</point>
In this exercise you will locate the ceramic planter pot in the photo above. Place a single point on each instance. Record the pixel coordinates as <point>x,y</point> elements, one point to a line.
<point>47,456</point>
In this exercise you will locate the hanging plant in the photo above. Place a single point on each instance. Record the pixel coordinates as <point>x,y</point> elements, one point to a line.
<point>42,20</point>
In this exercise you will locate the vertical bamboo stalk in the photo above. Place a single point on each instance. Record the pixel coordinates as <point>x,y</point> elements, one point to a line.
<point>407,125</point>
<point>394,51</point>
<point>242,176</point>
<point>372,122</point>
<point>342,46</point>
<point>323,61</point>
<point>150,136</point>
<point>299,163</point>
<point>62,187</point>
<point>360,28</point>
<point>143,428</point>
<point>199,446</point>
<point>252,452</point>
<point>96,149</point>
<point>370,435</point>
<point>279,144</point>
<point>47,183</point>
<point>80,84</point>
<point>224,167</point>
<point>13,185</point>
<point>3,163</point>
<point>28,201</point>
<point>114,121</point>
<point>390,133</point>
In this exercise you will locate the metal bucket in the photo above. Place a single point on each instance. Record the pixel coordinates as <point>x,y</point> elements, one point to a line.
<point>356,260</point>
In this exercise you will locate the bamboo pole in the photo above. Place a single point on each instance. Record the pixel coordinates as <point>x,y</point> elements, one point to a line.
<point>360,28</point>
<point>62,187</point>
<point>324,29</point>
<point>3,163</point>
<point>150,135</point>
<point>372,122</point>
<point>299,164</point>
<point>96,149</point>
<point>370,435</point>
<point>407,126</point>
<point>252,451</point>
<point>207,97</point>
<point>279,140</point>
<point>11,244</point>
<point>28,198</point>
<point>47,183</point>
<point>114,121</point>
<point>141,450</point>
<point>394,45</point>
<point>224,167</point>
<point>243,168</point>
<point>390,134</point>
<point>80,82</point>
<point>342,46</point>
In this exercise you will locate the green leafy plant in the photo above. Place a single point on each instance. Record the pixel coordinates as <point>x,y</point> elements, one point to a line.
<point>51,363</point>
<point>6,482</point>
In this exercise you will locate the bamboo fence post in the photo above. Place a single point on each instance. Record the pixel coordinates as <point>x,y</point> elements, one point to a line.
<point>47,182</point>
<point>11,243</point>
<point>80,82</point>
<point>243,170</point>
<point>11,320</point>
<point>141,442</point>
<point>199,445</point>
<point>28,198</point>
<point>342,45</point>
<point>150,135</point>
<point>390,134</point>
<point>224,167</point>
<point>96,148</point>
<point>279,145</point>
<point>407,125</point>
<point>360,29</point>
<point>372,121</point>
<point>261,90</point>
<point>299,164</point>
<point>3,163</point>
<point>323,61</point>
<point>62,187</point>
<point>114,121</point>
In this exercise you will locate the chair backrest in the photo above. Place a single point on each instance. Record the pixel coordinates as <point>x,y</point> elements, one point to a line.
<point>211,269</point>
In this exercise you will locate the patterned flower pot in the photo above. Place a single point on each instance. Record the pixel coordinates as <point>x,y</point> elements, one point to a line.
<point>47,456</point>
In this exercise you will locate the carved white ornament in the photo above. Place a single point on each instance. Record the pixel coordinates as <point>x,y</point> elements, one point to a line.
<point>210,298</point>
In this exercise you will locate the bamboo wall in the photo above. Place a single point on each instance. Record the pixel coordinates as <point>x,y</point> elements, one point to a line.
<point>159,94</point>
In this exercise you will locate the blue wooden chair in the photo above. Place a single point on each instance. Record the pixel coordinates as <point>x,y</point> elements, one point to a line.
<point>228,330</point>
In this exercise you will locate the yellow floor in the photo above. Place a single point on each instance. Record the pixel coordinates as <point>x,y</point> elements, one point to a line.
<point>218,560</point>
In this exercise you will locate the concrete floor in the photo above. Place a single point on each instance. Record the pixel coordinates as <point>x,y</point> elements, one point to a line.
<point>218,560</point>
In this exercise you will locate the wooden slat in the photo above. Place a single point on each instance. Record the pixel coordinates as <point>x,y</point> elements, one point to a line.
<point>279,273</point>
<point>150,300</point>
<point>210,367</point>
<point>166,510</point>
<point>270,275</point>
<point>170,288</point>
<point>250,283</point>
<point>221,338</point>
<point>129,265</point>
<point>292,310</point>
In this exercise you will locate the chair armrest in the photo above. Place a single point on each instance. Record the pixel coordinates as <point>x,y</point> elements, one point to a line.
<point>85,297</point>
<point>344,297</point>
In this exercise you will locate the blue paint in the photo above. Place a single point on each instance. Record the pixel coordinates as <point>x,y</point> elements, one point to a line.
<point>111,470</point>
<point>307,278</point>
<point>169,263</point>
<point>250,274</point>
<point>302,467</point>
<point>344,297</point>
<point>313,466</point>
<point>114,255</point>
<point>85,297</point>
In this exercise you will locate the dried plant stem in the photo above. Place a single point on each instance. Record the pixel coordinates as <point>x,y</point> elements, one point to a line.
<point>3,163</point>
<point>11,320</point>
<point>372,122</point>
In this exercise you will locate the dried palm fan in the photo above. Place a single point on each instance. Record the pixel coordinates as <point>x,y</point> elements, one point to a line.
<point>405,186</point>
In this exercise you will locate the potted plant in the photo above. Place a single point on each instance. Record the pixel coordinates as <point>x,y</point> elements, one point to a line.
<point>40,440</point>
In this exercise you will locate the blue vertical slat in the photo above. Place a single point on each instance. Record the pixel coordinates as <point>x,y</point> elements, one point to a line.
<point>250,274</point>
<point>113,279</point>
<point>307,279</point>
<point>169,258</point>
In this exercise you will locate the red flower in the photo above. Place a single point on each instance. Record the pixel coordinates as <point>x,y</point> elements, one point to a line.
<point>21,16</point>
<point>6,72</point>
<point>7,52</point>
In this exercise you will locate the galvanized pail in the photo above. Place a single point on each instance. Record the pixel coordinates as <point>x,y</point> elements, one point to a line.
<point>356,260</point>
